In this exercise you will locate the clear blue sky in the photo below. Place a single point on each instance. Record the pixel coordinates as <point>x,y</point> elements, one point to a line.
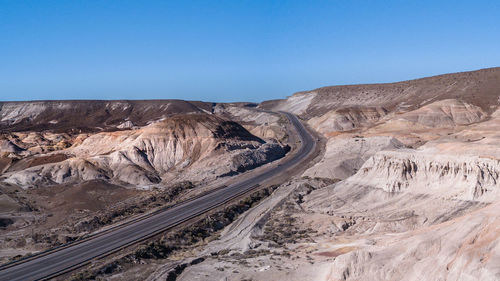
<point>234,50</point>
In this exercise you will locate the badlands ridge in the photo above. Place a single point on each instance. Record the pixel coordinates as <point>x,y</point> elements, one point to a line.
<point>406,186</point>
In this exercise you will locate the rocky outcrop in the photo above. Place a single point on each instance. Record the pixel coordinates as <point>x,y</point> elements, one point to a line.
<point>347,119</point>
<point>245,114</point>
<point>260,123</point>
<point>202,146</point>
<point>444,113</point>
<point>6,146</point>
<point>126,125</point>
<point>250,159</point>
<point>91,115</point>
<point>465,248</point>
<point>344,156</point>
<point>450,176</point>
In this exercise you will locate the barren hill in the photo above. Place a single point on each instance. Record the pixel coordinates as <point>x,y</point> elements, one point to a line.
<point>91,115</point>
<point>62,163</point>
<point>406,185</point>
<point>480,88</point>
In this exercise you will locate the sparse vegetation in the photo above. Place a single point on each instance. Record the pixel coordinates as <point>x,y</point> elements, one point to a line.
<point>182,239</point>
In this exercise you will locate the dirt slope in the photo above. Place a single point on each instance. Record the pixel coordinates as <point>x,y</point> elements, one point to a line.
<point>480,88</point>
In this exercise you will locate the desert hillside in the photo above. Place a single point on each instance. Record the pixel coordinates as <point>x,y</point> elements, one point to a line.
<point>90,115</point>
<point>404,183</point>
<point>479,88</point>
<point>64,163</point>
<point>407,188</point>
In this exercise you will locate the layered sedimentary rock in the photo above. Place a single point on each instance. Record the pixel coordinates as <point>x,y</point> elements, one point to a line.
<point>450,176</point>
<point>418,200</point>
<point>345,155</point>
<point>406,189</point>
<point>479,88</point>
<point>90,115</point>
<point>147,155</point>
<point>346,119</point>
<point>444,113</point>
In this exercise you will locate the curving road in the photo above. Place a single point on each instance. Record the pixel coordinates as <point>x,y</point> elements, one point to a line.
<point>68,258</point>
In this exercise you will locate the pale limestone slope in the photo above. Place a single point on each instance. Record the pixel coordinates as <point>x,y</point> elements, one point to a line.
<point>466,248</point>
<point>449,176</point>
<point>344,155</point>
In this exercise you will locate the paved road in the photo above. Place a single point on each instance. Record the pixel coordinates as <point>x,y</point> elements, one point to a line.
<point>46,266</point>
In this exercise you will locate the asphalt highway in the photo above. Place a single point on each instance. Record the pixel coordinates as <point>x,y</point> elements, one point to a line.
<point>68,258</point>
